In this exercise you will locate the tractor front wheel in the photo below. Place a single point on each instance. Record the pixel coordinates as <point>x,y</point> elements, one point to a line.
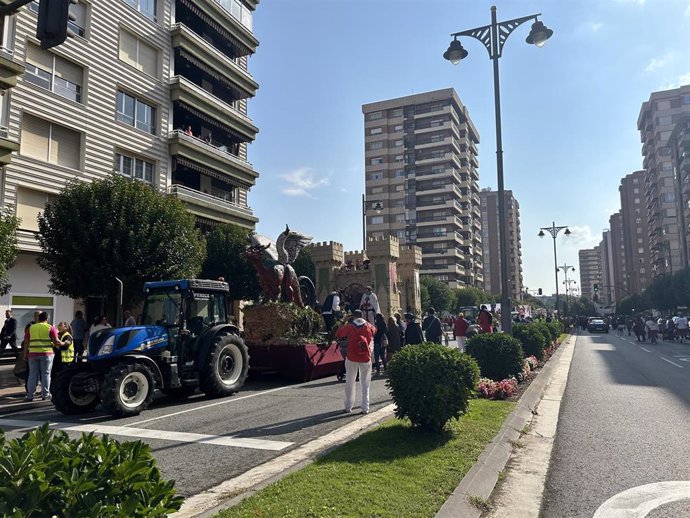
<point>75,390</point>
<point>127,389</point>
<point>225,367</point>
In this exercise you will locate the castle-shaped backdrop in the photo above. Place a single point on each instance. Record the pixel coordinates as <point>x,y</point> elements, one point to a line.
<point>391,270</point>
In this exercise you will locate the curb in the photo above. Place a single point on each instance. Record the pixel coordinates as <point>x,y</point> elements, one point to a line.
<point>481,480</point>
<point>23,405</point>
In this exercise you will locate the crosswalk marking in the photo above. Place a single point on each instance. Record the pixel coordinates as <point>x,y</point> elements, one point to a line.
<point>146,433</point>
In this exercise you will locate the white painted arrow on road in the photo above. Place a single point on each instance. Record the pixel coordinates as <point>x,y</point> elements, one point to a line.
<point>639,501</point>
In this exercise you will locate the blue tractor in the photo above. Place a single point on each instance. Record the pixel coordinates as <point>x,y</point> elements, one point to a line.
<point>185,342</point>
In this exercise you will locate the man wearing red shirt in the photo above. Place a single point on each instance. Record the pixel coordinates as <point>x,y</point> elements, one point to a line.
<point>360,339</point>
<point>485,320</point>
<point>460,327</point>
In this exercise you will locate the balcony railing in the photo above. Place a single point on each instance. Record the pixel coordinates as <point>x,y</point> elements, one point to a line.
<point>220,203</point>
<point>212,145</point>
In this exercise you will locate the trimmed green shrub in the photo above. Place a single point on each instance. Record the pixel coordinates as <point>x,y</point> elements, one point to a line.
<point>545,328</point>
<point>45,473</point>
<point>431,384</point>
<point>532,339</point>
<point>555,328</point>
<point>499,355</point>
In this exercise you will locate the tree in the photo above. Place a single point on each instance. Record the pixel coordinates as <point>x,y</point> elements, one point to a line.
<point>8,247</point>
<point>471,296</point>
<point>440,295</point>
<point>95,232</point>
<point>225,245</point>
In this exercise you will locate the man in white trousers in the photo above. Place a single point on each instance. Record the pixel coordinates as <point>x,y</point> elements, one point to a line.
<point>360,343</point>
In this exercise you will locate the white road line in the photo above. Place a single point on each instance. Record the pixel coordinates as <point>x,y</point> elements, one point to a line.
<point>640,501</point>
<point>645,349</point>
<point>223,402</point>
<point>672,363</point>
<point>145,433</point>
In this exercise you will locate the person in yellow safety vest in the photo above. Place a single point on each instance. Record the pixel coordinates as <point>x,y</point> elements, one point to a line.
<point>64,355</point>
<point>41,338</point>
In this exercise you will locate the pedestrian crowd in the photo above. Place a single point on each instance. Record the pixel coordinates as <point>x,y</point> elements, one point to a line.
<point>46,349</point>
<point>671,328</point>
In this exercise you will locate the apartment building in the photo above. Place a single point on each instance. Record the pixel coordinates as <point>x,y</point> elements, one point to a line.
<point>619,278</point>
<point>491,238</point>
<point>421,171</point>
<point>657,119</point>
<point>635,232</point>
<point>590,271</point>
<point>117,97</point>
<point>679,141</point>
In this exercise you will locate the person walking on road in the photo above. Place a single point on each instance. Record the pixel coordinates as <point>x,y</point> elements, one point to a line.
<point>432,327</point>
<point>360,337</point>
<point>639,329</point>
<point>485,320</point>
<point>78,326</point>
<point>369,305</point>
<point>413,331</point>
<point>379,346</point>
<point>64,354</point>
<point>8,334</point>
<point>652,327</point>
<point>41,338</point>
<point>460,327</point>
<point>682,327</point>
<point>330,309</point>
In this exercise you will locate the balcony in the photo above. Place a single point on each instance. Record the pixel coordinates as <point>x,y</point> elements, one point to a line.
<point>211,109</point>
<point>212,61</point>
<point>9,69</point>
<point>212,209</point>
<point>234,29</point>
<point>212,157</point>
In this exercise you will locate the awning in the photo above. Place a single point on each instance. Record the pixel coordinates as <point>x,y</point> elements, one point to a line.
<point>227,178</point>
<point>239,93</point>
<point>241,47</point>
<point>212,121</point>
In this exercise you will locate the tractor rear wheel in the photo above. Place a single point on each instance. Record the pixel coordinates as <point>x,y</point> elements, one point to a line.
<point>225,367</point>
<point>74,390</point>
<point>127,389</point>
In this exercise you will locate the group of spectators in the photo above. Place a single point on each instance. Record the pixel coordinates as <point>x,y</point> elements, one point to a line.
<point>46,349</point>
<point>670,328</point>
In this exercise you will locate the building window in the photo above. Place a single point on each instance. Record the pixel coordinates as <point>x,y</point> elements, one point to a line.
<point>374,116</point>
<point>377,161</point>
<point>4,113</point>
<point>145,7</point>
<point>50,142</point>
<point>375,131</point>
<point>686,99</point>
<point>138,53</point>
<point>636,190</point>
<point>668,197</point>
<point>399,173</point>
<point>635,181</point>
<point>400,218</point>
<point>137,113</point>
<point>376,145</point>
<point>398,127</point>
<point>398,158</point>
<point>377,220</point>
<point>53,73</point>
<point>7,25</point>
<point>78,10</point>
<point>377,176</point>
<point>135,168</point>
<point>398,143</point>
<point>636,200</point>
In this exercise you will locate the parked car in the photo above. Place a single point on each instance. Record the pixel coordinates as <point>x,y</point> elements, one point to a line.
<point>597,325</point>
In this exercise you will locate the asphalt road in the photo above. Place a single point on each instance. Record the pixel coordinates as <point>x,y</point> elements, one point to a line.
<point>624,422</point>
<point>276,416</point>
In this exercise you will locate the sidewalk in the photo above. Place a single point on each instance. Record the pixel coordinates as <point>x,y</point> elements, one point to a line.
<point>12,392</point>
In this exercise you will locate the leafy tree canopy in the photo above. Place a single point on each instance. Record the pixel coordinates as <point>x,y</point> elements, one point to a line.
<point>8,247</point>
<point>304,265</point>
<point>225,245</point>
<point>440,296</point>
<point>95,232</point>
<point>471,296</point>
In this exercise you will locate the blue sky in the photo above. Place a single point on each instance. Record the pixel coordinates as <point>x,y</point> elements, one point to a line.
<point>569,109</point>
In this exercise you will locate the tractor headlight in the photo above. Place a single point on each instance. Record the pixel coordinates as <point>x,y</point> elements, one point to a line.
<point>107,346</point>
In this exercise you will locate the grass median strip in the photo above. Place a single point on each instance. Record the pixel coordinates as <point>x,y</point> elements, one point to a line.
<point>391,471</point>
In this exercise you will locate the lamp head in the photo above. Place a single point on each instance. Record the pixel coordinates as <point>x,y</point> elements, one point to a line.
<point>378,207</point>
<point>541,233</point>
<point>567,232</point>
<point>538,34</point>
<point>455,52</point>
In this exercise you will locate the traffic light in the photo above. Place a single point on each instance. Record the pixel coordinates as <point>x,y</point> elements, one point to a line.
<point>596,288</point>
<point>539,291</point>
<point>53,16</point>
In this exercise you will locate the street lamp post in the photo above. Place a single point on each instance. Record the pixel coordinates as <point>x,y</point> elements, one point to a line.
<point>493,37</point>
<point>566,268</point>
<point>378,207</point>
<point>554,230</point>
